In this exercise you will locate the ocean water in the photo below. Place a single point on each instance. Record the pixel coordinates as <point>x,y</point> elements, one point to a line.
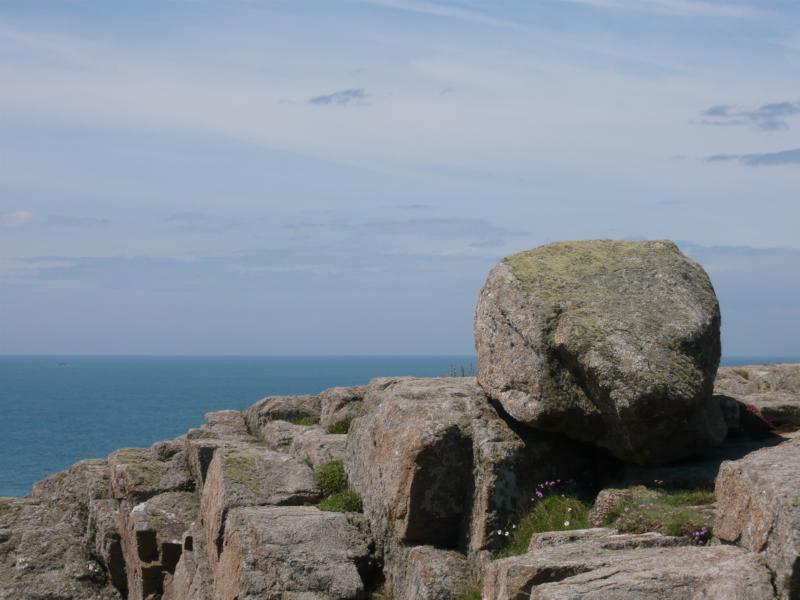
<point>56,410</point>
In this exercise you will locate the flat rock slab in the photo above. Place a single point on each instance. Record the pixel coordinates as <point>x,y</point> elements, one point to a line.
<point>282,408</point>
<point>609,342</point>
<point>315,446</point>
<point>137,474</point>
<point>773,390</point>
<point>251,476</point>
<point>272,553</point>
<point>602,565</point>
<point>758,507</point>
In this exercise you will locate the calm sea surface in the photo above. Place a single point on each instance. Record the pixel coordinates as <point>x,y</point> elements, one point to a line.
<point>55,410</point>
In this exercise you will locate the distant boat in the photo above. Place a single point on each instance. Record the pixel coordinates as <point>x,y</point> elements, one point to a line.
<point>63,364</point>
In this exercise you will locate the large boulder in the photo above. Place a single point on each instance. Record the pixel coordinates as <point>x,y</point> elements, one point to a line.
<point>758,507</point>
<point>611,342</point>
<point>599,564</point>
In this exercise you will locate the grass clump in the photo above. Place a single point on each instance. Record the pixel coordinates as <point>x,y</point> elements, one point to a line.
<point>677,513</point>
<point>552,513</point>
<point>342,426</point>
<point>332,482</point>
<point>347,501</point>
<point>471,593</point>
<point>331,478</point>
<point>555,506</point>
<point>303,420</point>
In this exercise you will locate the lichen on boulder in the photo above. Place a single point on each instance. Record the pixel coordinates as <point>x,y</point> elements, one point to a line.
<point>613,342</point>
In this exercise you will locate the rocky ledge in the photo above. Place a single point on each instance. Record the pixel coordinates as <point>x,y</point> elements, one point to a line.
<point>593,457</point>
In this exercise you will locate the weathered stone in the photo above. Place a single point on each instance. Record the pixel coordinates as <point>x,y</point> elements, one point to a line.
<point>250,477</point>
<point>192,579</point>
<point>615,343</point>
<point>758,507</point>
<point>341,404</point>
<point>599,564</point>
<point>431,574</point>
<point>224,429</point>
<point>280,435</point>
<point>770,391</point>
<point>43,555</point>
<point>104,538</point>
<point>152,539</point>
<point>281,408</point>
<point>137,474</point>
<point>435,464</point>
<point>82,482</point>
<point>316,447</point>
<point>272,553</point>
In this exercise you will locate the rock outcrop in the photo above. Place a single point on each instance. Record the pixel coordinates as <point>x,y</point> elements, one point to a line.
<point>599,564</point>
<point>758,507</point>
<point>770,392</point>
<point>420,488</point>
<point>614,343</point>
<point>437,466</point>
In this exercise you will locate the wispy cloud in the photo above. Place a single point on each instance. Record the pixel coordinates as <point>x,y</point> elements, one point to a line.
<point>686,8</point>
<point>193,222</point>
<point>342,97</point>
<point>767,117</point>
<point>23,220</point>
<point>473,233</point>
<point>442,9</point>
<point>766,159</point>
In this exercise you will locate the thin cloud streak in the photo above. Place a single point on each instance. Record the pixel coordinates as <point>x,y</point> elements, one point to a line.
<point>766,159</point>
<point>681,8</point>
<point>357,96</point>
<point>767,117</point>
<point>26,220</point>
<point>193,222</point>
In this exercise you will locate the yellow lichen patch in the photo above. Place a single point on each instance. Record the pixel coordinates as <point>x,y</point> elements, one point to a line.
<point>240,466</point>
<point>140,464</point>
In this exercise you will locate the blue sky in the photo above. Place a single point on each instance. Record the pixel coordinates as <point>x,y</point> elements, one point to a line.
<point>337,177</point>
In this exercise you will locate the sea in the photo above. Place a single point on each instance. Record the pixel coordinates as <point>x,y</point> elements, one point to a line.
<point>56,410</point>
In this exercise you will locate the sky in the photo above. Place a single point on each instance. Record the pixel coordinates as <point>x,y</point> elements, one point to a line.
<point>338,177</point>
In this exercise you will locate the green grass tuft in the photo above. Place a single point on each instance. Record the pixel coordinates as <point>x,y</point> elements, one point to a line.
<point>677,513</point>
<point>347,501</point>
<point>303,420</point>
<point>551,513</point>
<point>342,426</point>
<point>471,593</point>
<point>331,478</point>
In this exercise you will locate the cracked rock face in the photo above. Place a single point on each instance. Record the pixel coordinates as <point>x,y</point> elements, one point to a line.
<point>758,507</point>
<point>614,343</point>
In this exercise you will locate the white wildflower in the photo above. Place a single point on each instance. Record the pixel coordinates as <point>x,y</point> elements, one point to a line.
<point>566,523</point>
